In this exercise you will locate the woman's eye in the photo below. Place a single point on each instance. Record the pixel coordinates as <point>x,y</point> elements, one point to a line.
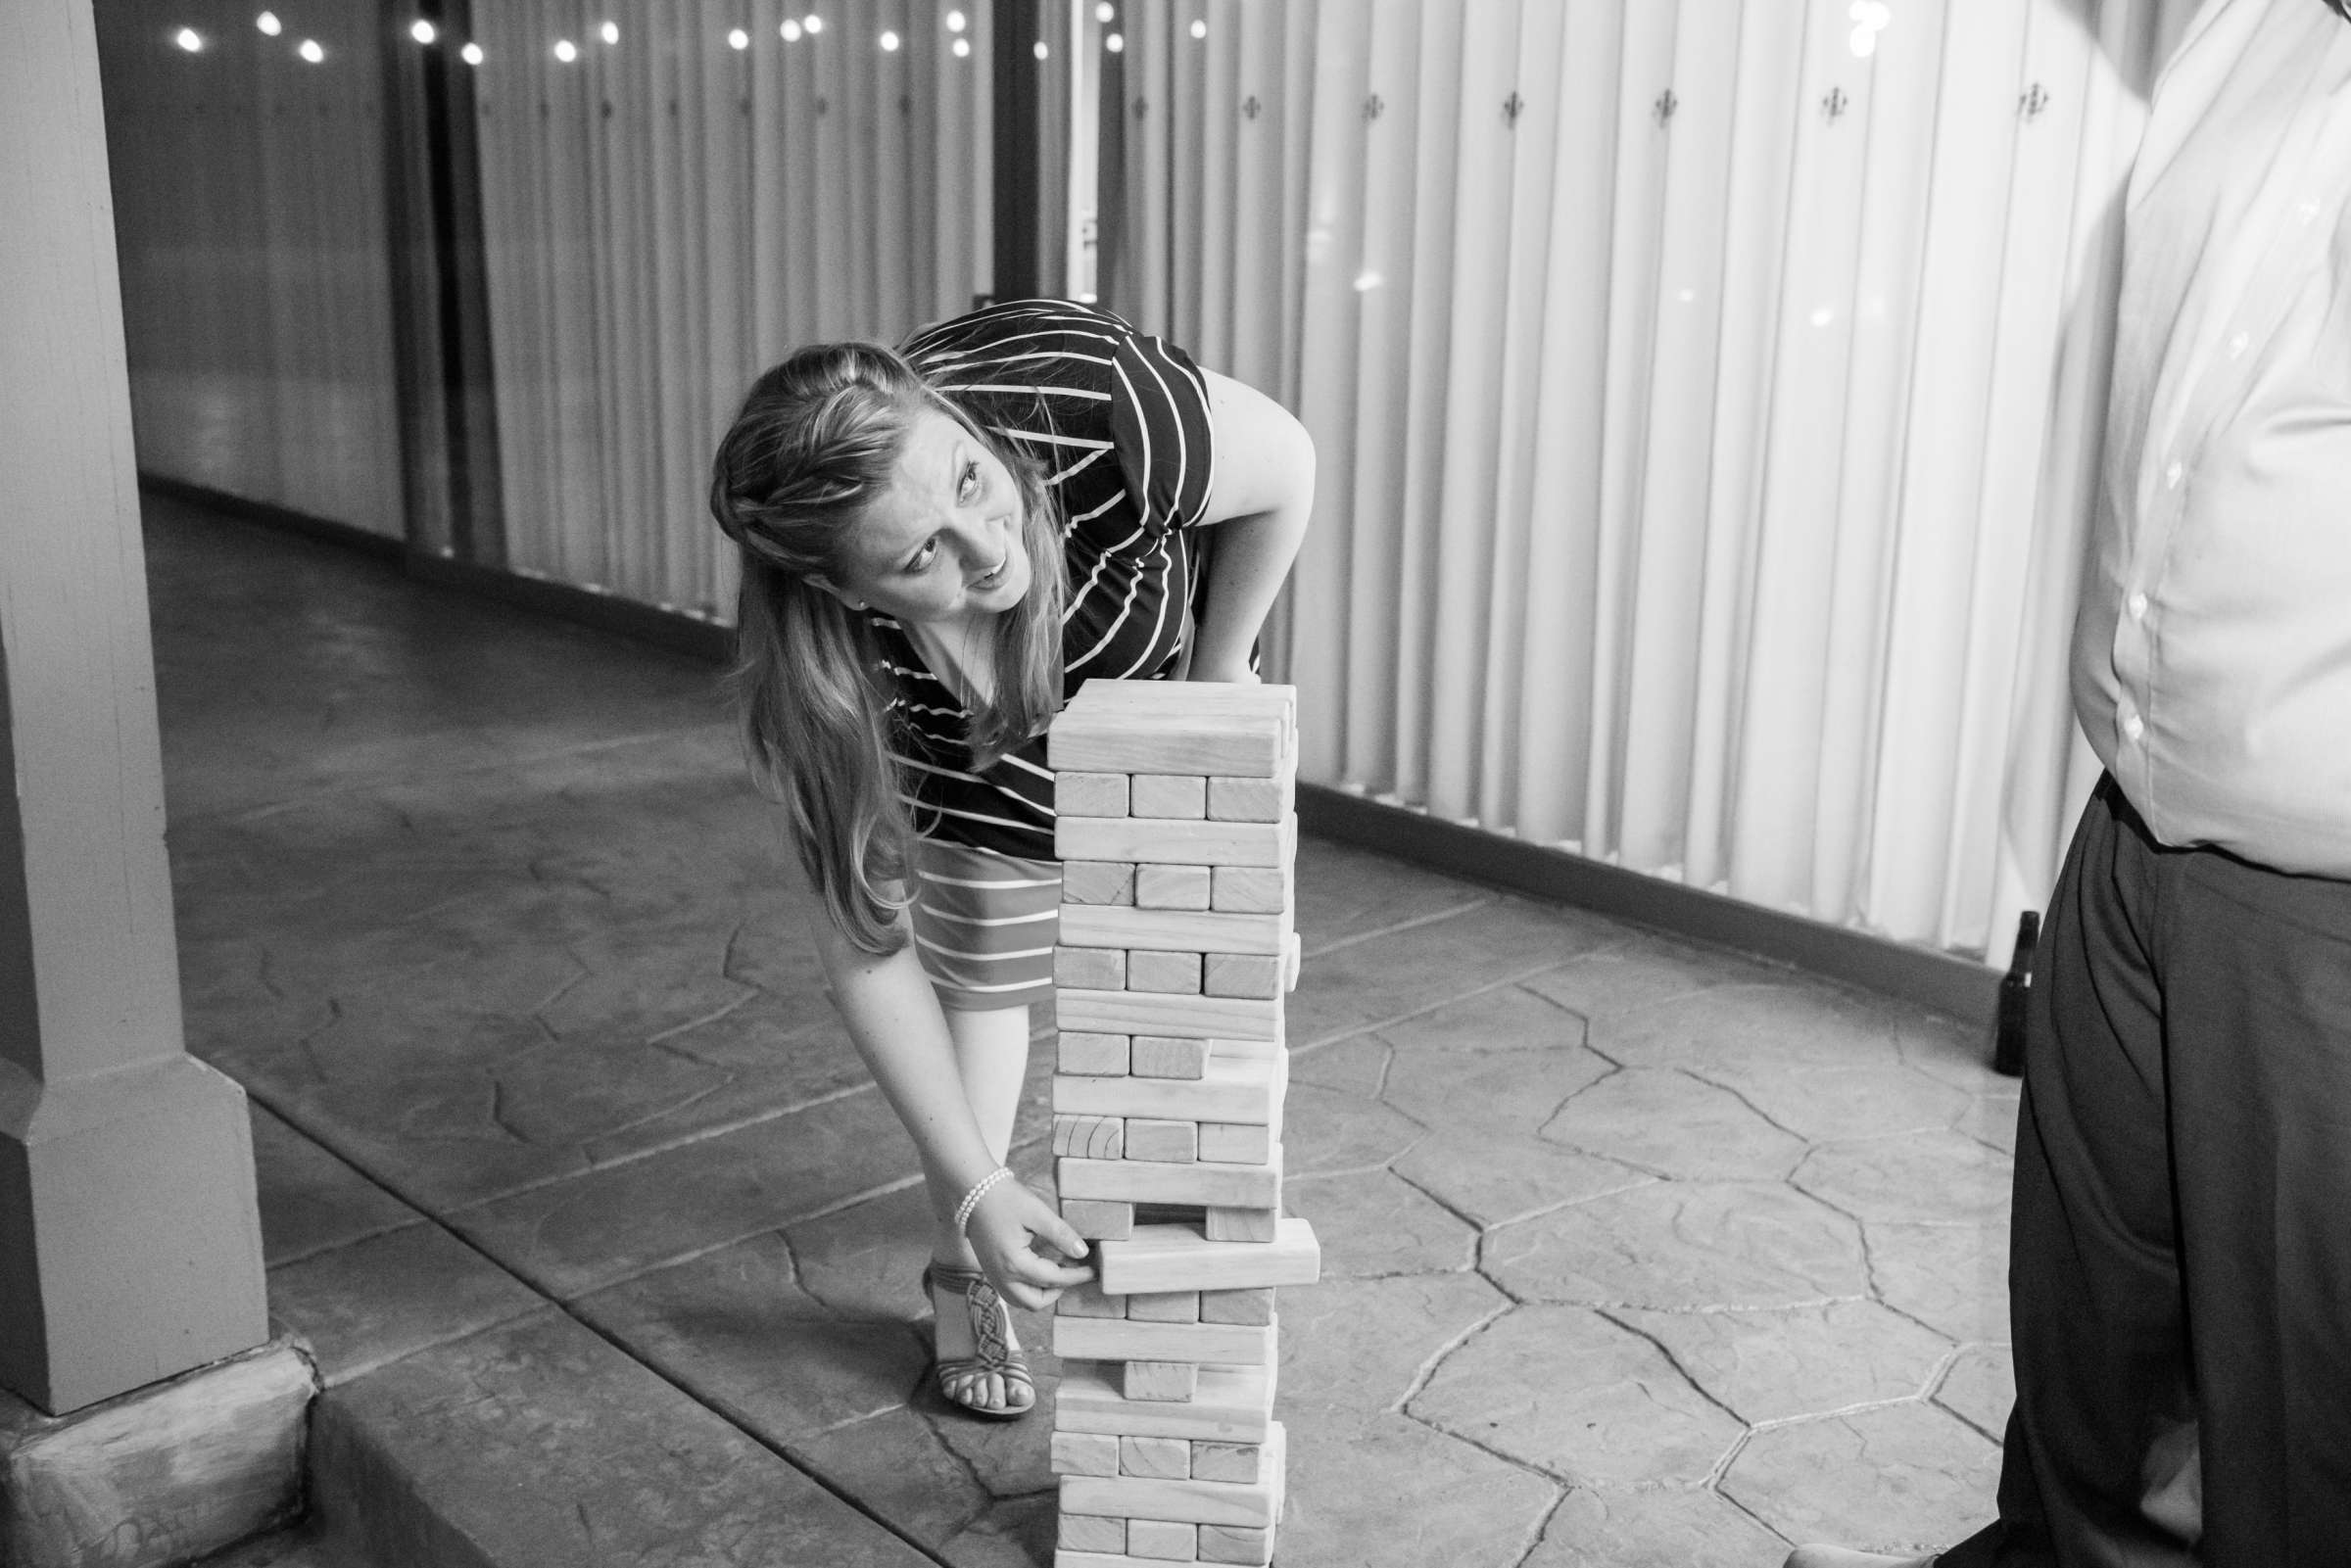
<point>921,559</point>
<point>967,489</point>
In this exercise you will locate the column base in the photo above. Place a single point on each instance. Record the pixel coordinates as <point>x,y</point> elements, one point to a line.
<point>162,1474</point>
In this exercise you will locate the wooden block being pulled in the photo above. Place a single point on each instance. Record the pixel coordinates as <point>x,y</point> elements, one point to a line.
<point>1098,1222</point>
<point>1240,975</point>
<point>1092,1532</point>
<point>1200,1018</point>
<point>1183,844</point>
<point>1241,889</point>
<point>1094,1137</point>
<point>1177,1257</point>
<point>1152,1458</point>
<point>1173,1143</point>
<point>1236,1142</point>
<point>1162,1540</point>
<point>1155,1382</point>
<point>1152,1181</point>
<point>1244,1462</point>
<point>1092,1056</point>
<point>1091,968</point>
<point>1085,881</point>
<point>1124,1339</point>
<point>1253,1504</point>
<point>1096,1454</point>
<point>1163,974</point>
<point>1229,1305</point>
<point>1169,796</point>
<point>1161,1306</point>
<point>1232,1404</point>
<point>1247,1545</point>
<point>1172,1057</point>
<point>1243,1222</point>
<point>1197,930</point>
<point>1252,799</point>
<point>1236,744</point>
<point>1089,794</point>
<point>1187,887</point>
<point>1229,1088</point>
<point>1089,1300</point>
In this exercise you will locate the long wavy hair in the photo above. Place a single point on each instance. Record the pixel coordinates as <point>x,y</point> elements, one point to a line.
<point>814,444</point>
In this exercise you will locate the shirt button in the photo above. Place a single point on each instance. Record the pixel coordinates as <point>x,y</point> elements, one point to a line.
<point>2134,726</point>
<point>2139,606</point>
<point>2173,475</point>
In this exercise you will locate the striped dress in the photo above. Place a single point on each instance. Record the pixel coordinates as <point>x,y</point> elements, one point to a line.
<point>1119,421</point>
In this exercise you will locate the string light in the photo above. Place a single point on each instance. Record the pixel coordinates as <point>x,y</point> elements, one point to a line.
<point>269,24</point>
<point>813,22</point>
<point>1043,52</point>
<point>1115,43</point>
<point>889,43</point>
<point>1106,13</point>
<point>471,54</point>
<point>1870,18</point>
<point>963,48</point>
<point>955,21</point>
<point>739,39</point>
<point>1199,29</point>
<point>566,51</point>
<point>609,32</point>
<point>310,51</point>
<point>422,31</point>
<point>188,38</point>
<point>791,31</point>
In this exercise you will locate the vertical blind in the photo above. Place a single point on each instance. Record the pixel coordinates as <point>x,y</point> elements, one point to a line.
<point>249,219</point>
<point>676,196</point>
<point>1708,394</point>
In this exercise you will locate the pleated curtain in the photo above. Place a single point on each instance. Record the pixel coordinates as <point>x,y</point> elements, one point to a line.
<point>672,210</point>
<point>1708,397</point>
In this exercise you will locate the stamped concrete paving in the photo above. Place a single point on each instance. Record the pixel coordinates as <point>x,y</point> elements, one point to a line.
<point>1636,1253</point>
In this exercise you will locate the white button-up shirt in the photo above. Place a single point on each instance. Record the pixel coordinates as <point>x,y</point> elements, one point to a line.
<point>2212,657</point>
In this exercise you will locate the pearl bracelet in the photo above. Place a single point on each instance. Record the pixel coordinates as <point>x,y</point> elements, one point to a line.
<point>971,1199</point>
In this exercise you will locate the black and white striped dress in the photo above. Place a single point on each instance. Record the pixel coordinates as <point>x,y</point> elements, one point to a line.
<point>1120,420</point>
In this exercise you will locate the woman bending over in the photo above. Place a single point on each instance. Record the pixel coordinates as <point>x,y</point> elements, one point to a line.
<point>940,545</point>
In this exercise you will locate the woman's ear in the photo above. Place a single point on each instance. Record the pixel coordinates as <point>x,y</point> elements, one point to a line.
<point>818,580</point>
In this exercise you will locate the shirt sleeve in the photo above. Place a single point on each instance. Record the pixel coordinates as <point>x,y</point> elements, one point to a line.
<point>1161,432</point>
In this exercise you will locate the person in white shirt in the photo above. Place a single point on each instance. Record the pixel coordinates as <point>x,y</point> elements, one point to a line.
<point>2181,1273</point>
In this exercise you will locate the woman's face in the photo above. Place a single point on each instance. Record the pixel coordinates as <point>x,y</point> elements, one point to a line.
<point>943,543</point>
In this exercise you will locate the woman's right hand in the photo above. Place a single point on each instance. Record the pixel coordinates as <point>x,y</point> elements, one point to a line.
<point>1025,1248</point>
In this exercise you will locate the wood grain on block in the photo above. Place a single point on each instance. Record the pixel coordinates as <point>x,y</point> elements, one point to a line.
<point>1094,1453</point>
<point>1094,1137</point>
<point>1173,887</point>
<point>1173,931</point>
<point>1229,1088</point>
<point>1164,973</point>
<point>1089,794</point>
<point>1161,1306</point>
<point>1239,889</point>
<point>1151,1182</point>
<point>1247,1223</point>
<point>1244,1462</point>
<point>1102,1560</point>
<point>1122,1339</point>
<point>1155,1382</point>
<point>1091,968</point>
<point>1092,1056</point>
<point>1093,882</point>
<point>1254,1305</point>
<point>1234,1143</point>
<point>1241,975</point>
<point>1179,796</point>
<point>1236,745</point>
<point>1245,1546</point>
<point>1096,1221</point>
<point>1162,1540</point>
<point>1088,1300</point>
<point>1159,1258</point>
<point>1199,1018</point>
<point>1151,1138</point>
<point>1092,1532</point>
<point>1293,959</point>
<point>1152,1458</point>
<point>1172,1057</point>
<point>1149,841</point>
<point>1252,799</point>
<point>1249,1050</point>
<point>1232,1404</point>
<point>1254,1504</point>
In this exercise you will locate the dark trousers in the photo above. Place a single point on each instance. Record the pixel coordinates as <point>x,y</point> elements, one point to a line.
<point>2179,1276</point>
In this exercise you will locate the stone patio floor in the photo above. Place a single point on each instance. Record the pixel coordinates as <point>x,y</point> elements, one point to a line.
<point>1636,1253</point>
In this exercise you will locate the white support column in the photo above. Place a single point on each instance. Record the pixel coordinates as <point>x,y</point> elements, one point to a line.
<point>130,1243</point>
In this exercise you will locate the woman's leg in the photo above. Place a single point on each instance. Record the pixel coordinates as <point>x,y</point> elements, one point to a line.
<point>991,1053</point>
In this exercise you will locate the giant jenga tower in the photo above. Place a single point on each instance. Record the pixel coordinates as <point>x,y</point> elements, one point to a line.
<point>1177,838</point>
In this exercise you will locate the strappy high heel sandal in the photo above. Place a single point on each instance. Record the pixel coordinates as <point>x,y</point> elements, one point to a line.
<point>990,1324</point>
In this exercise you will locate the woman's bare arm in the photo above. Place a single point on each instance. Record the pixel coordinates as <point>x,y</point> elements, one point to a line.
<point>1262,496</point>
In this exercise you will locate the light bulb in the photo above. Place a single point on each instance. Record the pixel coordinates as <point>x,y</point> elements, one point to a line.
<point>423,31</point>
<point>791,31</point>
<point>1043,53</point>
<point>609,32</point>
<point>889,43</point>
<point>739,39</point>
<point>566,51</point>
<point>813,22</point>
<point>1114,42</point>
<point>1199,29</point>
<point>188,38</point>
<point>269,24</point>
<point>955,21</point>
<point>471,54</point>
<point>310,51</point>
<point>963,48</point>
<point>1105,12</point>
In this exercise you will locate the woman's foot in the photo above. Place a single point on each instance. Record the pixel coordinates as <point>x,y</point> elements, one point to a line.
<point>979,1365</point>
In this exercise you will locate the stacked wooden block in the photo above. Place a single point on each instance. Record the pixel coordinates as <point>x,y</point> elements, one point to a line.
<point>1177,838</point>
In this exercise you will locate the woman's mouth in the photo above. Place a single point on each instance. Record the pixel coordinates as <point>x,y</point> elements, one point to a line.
<point>993,576</point>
